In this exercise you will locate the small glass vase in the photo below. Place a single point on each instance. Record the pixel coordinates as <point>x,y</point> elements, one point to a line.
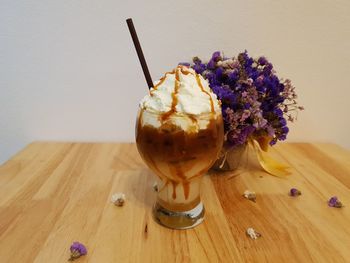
<point>230,157</point>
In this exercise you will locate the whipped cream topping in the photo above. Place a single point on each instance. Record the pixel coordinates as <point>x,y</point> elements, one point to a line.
<point>181,91</point>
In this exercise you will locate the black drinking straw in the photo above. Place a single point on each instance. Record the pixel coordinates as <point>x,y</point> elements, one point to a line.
<point>139,52</point>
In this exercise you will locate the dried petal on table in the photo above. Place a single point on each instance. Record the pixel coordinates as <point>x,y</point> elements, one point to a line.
<point>77,250</point>
<point>294,192</point>
<point>334,202</point>
<point>252,233</point>
<point>155,187</point>
<point>250,195</point>
<point>118,199</point>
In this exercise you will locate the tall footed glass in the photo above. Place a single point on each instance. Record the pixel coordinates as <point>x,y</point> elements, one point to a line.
<point>179,149</point>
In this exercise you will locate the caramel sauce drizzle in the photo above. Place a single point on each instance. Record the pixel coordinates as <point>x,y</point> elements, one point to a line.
<point>186,187</point>
<point>172,110</point>
<point>174,102</point>
<point>161,81</point>
<point>193,118</point>
<point>184,70</point>
<point>174,189</point>
<point>206,92</point>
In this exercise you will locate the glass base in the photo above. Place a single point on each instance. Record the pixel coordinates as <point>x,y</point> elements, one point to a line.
<point>177,219</point>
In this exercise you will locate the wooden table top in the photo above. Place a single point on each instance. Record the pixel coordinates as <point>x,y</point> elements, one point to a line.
<point>52,194</point>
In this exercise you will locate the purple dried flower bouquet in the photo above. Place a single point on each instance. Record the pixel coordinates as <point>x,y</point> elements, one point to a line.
<point>255,102</point>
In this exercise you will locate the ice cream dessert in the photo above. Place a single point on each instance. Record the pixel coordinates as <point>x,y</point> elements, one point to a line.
<point>179,134</point>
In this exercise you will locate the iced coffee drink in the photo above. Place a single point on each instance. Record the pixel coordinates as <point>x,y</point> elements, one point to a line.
<point>179,134</point>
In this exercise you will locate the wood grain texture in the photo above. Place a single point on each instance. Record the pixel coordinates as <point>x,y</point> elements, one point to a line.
<point>52,194</point>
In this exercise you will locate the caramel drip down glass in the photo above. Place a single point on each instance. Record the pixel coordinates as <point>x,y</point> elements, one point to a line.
<point>179,150</point>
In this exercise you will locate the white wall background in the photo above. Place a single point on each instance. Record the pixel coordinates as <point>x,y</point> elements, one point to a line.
<point>69,72</point>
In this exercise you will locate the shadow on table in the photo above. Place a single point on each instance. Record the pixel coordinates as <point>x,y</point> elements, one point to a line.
<point>138,185</point>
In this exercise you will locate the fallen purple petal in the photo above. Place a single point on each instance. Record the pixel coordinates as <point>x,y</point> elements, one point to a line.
<point>77,250</point>
<point>294,192</point>
<point>334,202</point>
